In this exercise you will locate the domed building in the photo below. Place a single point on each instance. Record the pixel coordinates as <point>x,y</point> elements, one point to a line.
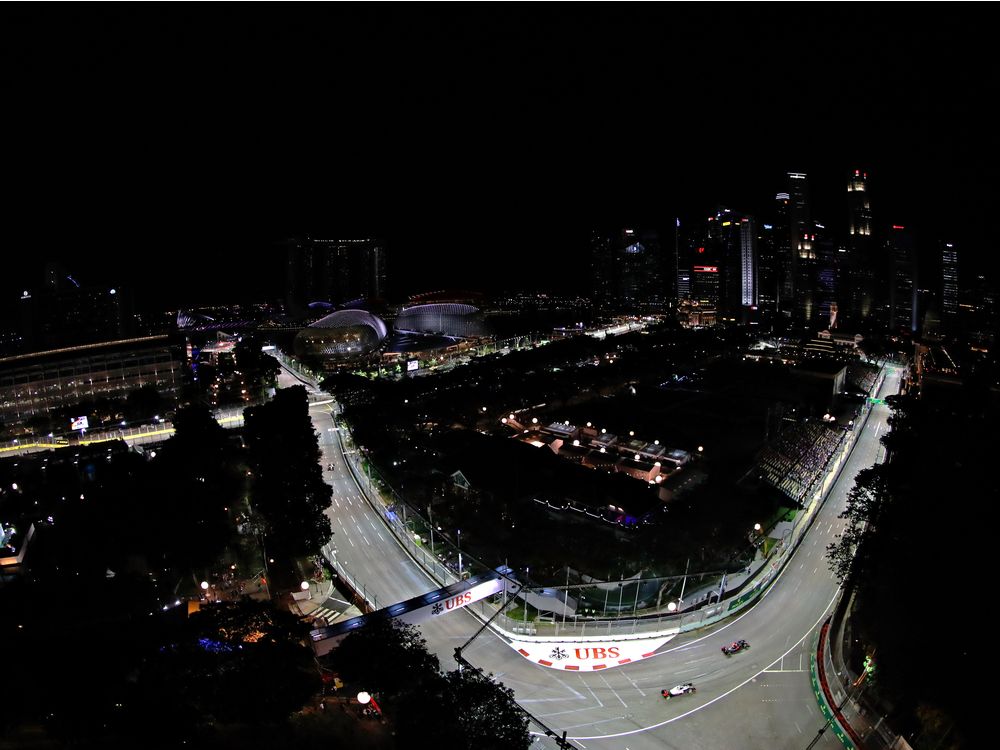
<point>344,334</point>
<point>453,319</point>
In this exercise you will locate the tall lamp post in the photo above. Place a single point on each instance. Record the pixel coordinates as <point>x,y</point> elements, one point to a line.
<point>459,553</point>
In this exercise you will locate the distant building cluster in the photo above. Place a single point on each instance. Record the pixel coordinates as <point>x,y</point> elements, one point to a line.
<point>332,272</point>
<point>855,274</point>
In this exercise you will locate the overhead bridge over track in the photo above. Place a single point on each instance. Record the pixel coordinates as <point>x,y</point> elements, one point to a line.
<point>420,608</point>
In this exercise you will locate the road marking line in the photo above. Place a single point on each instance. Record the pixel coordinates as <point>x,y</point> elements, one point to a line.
<point>624,674</point>
<point>613,691</point>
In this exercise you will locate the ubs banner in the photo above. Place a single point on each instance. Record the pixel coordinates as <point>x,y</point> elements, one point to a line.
<point>450,603</point>
<point>583,656</point>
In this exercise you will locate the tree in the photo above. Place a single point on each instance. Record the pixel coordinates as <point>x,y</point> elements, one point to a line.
<point>849,557</point>
<point>288,488</point>
<point>388,656</point>
<point>242,662</point>
<point>196,478</point>
<point>486,711</point>
<point>470,709</point>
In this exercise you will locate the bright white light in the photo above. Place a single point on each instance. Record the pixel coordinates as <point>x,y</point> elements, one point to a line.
<point>364,698</point>
<point>204,585</point>
<point>304,585</point>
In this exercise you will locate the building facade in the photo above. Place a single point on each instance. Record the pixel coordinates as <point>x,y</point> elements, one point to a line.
<point>44,383</point>
<point>333,270</point>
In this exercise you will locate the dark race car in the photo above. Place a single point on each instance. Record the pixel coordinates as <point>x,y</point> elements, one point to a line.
<point>735,647</point>
<point>676,690</point>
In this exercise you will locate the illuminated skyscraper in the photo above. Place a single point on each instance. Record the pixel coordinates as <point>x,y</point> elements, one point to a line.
<point>731,238</point>
<point>949,285</point>
<point>864,270</point>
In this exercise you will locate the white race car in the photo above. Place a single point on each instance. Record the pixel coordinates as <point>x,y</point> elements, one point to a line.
<point>676,690</point>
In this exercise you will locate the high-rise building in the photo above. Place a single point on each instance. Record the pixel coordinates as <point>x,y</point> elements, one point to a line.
<point>333,270</point>
<point>949,284</point>
<point>689,238</point>
<point>902,310</point>
<point>628,269</point>
<point>800,229</point>
<point>768,268</point>
<point>783,250</point>
<point>865,272</point>
<point>732,241</point>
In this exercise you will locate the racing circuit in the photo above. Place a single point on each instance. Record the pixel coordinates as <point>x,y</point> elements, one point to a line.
<point>759,697</point>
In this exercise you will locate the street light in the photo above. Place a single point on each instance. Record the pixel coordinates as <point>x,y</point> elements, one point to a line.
<point>459,553</point>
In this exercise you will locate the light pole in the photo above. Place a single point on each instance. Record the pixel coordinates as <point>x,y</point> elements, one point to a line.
<point>526,571</point>
<point>459,553</point>
<point>430,518</point>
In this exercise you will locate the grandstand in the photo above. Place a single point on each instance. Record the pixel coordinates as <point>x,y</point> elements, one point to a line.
<point>794,461</point>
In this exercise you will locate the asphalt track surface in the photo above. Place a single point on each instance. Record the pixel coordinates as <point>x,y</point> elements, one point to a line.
<point>760,698</point>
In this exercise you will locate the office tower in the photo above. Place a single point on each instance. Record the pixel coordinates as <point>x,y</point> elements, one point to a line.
<point>949,285</point>
<point>902,308</point>
<point>863,267</point>
<point>799,228</point>
<point>768,268</point>
<point>783,251</point>
<point>628,269</point>
<point>732,239</point>
<point>602,267</point>
<point>690,237</point>
<point>829,277</point>
<point>335,271</point>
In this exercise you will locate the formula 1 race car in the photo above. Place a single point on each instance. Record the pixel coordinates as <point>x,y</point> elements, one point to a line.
<point>676,690</point>
<point>735,647</point>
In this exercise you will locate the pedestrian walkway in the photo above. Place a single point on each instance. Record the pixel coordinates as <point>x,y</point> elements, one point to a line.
<point>327,614</point>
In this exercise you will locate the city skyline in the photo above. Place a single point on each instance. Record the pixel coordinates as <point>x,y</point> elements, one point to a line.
<point>543,131</point>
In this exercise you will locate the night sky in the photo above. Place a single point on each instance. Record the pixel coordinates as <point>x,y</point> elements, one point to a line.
<point>171,146</point>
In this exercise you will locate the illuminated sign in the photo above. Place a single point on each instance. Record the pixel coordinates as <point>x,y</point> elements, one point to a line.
<point>80,423</point>
<point>587,656</point>
<point>897,226</point>
<point>453,602</point>
<point>706,269</point>
<point>701,249</point>
<point>413,364</point>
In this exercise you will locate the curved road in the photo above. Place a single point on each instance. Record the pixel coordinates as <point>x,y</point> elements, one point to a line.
<point>761,698</point>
